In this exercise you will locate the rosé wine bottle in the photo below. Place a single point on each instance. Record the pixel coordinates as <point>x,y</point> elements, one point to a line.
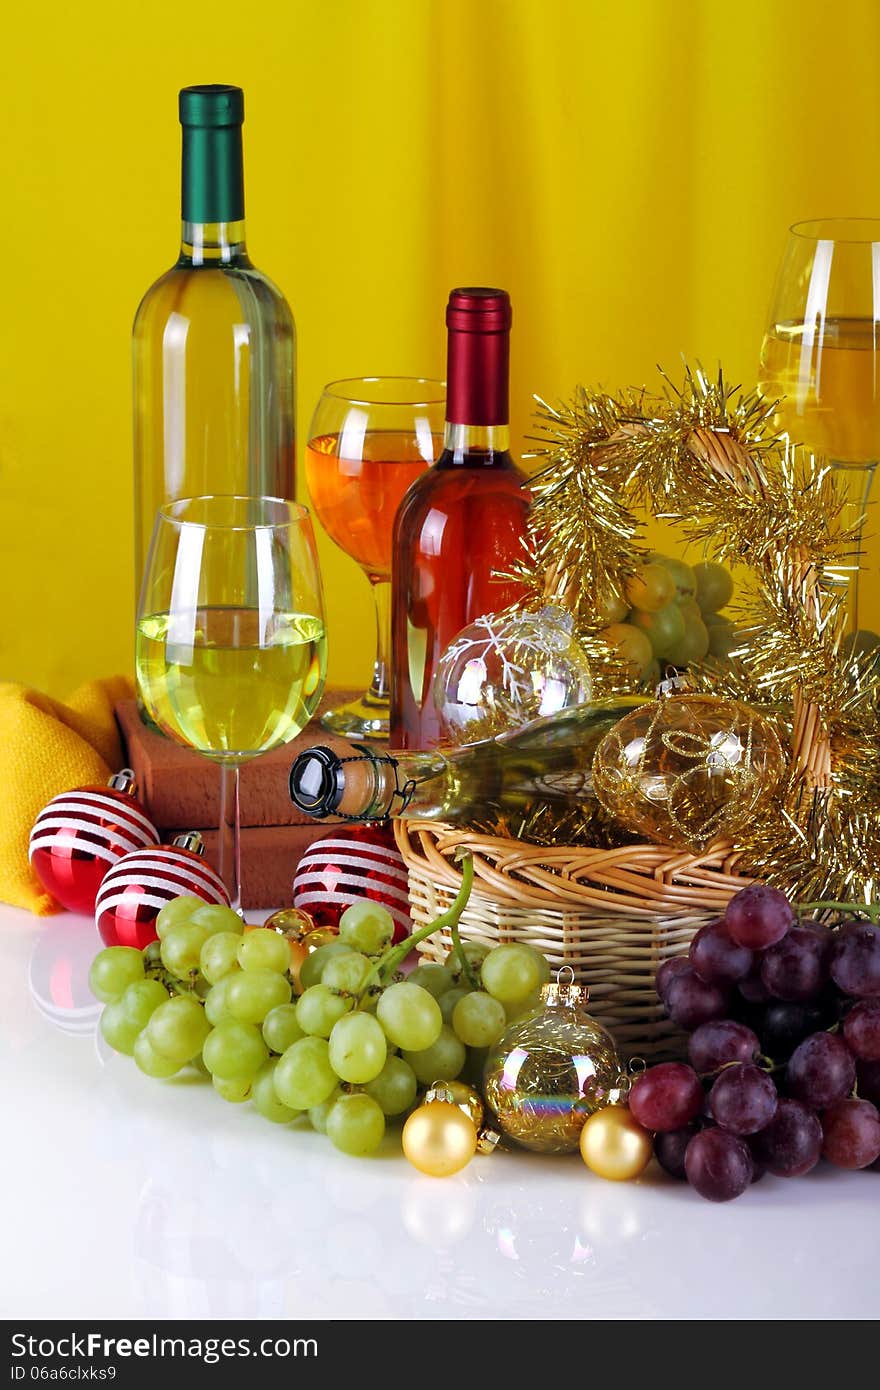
<point>461,522</point>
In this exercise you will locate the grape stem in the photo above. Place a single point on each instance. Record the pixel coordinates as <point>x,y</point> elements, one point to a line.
<point>155,970</point>
<point>870,910</point>
<point>768,1064</point>
<point>387,964</point>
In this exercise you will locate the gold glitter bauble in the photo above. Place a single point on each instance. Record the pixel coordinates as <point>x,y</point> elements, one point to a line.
<point>460,1094</point>
<point>614,1145</point>
<point>688,769</point>
<point>439,1139</point>
<point>549,1071</point>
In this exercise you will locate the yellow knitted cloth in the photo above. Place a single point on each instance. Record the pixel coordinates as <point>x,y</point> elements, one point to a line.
<point>47,747</point>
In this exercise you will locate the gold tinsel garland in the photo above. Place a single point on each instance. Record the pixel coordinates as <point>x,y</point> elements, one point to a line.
<point>705,458</point>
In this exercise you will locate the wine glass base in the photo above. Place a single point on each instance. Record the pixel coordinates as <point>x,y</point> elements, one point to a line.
<point>364,718</point>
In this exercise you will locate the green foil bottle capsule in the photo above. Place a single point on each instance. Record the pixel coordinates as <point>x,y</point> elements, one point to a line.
<point>213,341</point>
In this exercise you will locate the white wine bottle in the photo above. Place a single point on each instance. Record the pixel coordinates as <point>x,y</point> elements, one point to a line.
<point>213,341</point>
<point>548,761</point>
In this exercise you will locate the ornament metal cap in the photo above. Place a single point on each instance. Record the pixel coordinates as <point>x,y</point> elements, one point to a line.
<point>191,840</point>
<point>123,781</point>
<point>673,683</point>
<point>488,1140</point>
<point>469,1101</point>
<point>564,991</point>
<point>439,1090</point>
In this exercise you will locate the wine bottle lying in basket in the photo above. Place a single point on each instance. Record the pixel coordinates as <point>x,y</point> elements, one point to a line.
<point>546,761</point>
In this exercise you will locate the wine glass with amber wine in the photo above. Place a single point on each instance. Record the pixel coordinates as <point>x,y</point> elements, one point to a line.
<point>231,651</point>
<point>821,362</point>
<point>370,438</point>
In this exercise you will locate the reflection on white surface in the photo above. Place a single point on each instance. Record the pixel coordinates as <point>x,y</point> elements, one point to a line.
<point>136,1198</point>
<point>58,975</point>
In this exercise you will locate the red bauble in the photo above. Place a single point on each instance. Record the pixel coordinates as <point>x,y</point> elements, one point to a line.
<point>351,863</point>
<point>135,891</point>
<point>83,833</point>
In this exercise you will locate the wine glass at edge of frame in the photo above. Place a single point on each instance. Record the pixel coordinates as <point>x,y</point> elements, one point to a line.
<point>370,438</point>
<point>820,362</point>
<point>231,649</point>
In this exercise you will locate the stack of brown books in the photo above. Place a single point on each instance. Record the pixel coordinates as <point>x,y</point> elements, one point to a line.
<point>181,791</point>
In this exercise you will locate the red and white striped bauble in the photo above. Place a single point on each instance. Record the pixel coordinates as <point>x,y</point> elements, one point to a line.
<point>82,833</point>
<point>138,887</point>
<point>353,862</point>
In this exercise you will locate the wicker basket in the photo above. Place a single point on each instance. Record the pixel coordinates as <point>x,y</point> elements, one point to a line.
<point>613,915</point>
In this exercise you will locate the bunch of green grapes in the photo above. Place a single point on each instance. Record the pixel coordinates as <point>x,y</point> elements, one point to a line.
<point>351,1051</point>
<point>669,615</point>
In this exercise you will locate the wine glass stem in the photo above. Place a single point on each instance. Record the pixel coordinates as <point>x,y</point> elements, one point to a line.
<point>381,682</point>
<point>230,834</point>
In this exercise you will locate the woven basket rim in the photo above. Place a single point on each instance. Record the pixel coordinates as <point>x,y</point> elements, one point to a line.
<point>639,879</point>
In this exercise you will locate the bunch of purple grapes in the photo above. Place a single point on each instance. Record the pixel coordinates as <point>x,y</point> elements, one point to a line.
<point>784,1048</point>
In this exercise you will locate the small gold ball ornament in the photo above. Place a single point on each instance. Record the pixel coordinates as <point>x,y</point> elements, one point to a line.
<point>291,922</point>
<point>687,769</point>
<point>321,936</point>
<point>297,927</point>
<point>439,1139</point>
<point>614,1145</point>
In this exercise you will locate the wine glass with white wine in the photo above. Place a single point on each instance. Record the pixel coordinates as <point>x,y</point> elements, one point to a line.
<point>821,361</point>
<point>231,647</point>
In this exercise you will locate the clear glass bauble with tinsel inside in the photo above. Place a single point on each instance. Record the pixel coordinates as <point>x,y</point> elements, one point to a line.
<point>687,769</point>
<point>507,669</point>
<point>549,1071</point>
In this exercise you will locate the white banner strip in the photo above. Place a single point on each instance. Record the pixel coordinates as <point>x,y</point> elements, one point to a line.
<point>353,861</point>
<point>159,875</point>
<point>174,863</point>
<point>88,800</point>
<point>384,851</point>
<point>108,901</point>
<point>317,884</point>
<point>129,835</point>
<point>52,842</point>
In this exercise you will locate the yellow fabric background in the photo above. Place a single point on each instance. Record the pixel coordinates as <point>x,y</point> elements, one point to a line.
<point>627,169</point>
<point>45,748</point>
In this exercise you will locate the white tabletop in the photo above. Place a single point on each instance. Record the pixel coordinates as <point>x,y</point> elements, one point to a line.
<point>128,1197</point>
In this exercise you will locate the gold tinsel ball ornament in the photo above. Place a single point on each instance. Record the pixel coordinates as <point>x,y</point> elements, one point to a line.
<point>550,1070</point>
<point>507,669</point>
<point>687,769</point>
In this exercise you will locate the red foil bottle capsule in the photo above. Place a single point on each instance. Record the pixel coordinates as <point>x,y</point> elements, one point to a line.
<point>478,357</point>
